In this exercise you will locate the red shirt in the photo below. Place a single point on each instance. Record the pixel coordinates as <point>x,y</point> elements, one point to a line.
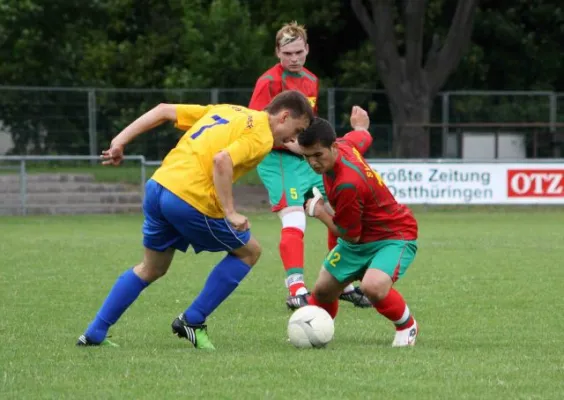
<point>277,79</point>
<point>363,204</point>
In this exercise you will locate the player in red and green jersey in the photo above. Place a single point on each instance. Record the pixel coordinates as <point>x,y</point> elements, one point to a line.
<point>285,174</point>
<point>377,236</point>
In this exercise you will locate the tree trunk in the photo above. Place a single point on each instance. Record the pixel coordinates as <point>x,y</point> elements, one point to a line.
<point>411,81</point>
<point>411,137</point>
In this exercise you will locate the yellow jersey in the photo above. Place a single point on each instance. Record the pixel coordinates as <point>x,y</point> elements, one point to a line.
<point>187,170</point>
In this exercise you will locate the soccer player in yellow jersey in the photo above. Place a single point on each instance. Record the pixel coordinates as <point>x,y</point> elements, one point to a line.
<point>189,202</point>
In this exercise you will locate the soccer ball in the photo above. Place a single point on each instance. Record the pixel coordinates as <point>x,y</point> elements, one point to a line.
<point>310,326</point>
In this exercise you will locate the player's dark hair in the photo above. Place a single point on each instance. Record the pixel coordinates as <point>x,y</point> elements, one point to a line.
<point>293,101</point>
<point>320,131</point>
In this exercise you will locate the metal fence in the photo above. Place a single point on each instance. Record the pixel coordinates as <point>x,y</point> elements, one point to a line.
<point>66,189</point>
<point>76,189</point>
<point>80,121</point>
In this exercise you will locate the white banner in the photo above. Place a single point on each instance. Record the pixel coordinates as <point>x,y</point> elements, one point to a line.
<point>474,183</point>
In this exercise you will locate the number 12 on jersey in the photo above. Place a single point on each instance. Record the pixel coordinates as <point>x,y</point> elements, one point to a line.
<point>333,257</point>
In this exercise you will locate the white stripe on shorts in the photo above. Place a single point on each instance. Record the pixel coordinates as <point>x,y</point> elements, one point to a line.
<point>215,237</point>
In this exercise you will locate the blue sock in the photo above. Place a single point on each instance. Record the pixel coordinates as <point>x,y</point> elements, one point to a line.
<point>126,289</point>
<point>221,282</point>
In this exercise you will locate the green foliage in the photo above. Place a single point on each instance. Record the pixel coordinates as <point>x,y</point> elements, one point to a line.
<point>516,46</point>
<point>228,43</point>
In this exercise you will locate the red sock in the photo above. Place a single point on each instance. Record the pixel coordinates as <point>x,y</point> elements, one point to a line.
<point>331,240</point>
<point>394,308</point>
<point>331,308</point>
<point>292,255</point>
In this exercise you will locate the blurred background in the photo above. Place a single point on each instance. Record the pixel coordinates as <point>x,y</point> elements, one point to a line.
<point>468,80</point>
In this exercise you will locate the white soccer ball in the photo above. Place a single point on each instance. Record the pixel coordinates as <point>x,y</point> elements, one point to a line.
<point>310,326</point>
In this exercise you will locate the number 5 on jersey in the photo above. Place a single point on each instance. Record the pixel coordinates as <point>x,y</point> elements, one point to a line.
<point>333,257</point>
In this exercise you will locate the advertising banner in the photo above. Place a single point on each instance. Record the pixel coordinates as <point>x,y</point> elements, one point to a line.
<point>473,183</point>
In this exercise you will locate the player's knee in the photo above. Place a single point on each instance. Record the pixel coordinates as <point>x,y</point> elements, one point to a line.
<point>256,253</point>
<point>375,290</point>
<point>155,264</point>
<point>149,272</point>
<point>324,293</point>
<point>323,296</point>
<point>250,253</point>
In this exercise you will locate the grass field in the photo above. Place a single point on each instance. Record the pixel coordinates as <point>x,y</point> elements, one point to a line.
<point>486,288</point>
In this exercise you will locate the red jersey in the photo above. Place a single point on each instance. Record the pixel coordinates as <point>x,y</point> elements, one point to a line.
<point>363,204</point>
<point>277,79</point>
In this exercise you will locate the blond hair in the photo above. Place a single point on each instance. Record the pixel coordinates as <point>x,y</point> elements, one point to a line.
<point>289,33</point>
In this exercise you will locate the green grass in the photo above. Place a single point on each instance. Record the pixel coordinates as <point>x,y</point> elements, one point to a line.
<point>486,289</point>
<point>130,173</point>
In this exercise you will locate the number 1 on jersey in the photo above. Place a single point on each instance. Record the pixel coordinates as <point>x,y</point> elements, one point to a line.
<point>218,121</point>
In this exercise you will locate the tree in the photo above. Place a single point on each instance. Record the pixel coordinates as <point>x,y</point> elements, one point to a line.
<point>412,80</point>
<point>117,43</point>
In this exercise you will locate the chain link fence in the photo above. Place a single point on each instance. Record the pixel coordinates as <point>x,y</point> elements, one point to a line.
<point>82,121</point>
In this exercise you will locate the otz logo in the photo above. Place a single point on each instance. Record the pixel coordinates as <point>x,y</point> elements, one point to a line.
<point>535,183</point>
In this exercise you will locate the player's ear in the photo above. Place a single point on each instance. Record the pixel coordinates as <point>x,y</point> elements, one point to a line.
<point>334,148</point>
<point>284,115</point>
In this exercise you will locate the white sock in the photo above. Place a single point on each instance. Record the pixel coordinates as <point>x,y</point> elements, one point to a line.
<point>349,288</point>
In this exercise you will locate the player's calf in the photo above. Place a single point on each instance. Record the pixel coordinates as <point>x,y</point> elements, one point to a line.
<point>377,286</point>
<point>332,306</point>
<point>291,249</point>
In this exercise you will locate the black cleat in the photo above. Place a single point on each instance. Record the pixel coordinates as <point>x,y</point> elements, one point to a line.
<point>197,334</point>
<point>357,298</point>
<point>84,341</point>
<point>298,301</point>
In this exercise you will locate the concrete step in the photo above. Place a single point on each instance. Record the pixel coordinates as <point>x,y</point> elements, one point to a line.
<point>46,177</point>
<point>73,209</point>
<point>14,199</point>
<point>66,187</point>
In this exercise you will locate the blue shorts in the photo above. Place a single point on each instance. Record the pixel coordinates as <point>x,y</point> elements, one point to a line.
<point>172,222</point>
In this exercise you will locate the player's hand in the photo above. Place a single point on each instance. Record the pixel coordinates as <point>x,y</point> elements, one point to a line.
<point>238,221</point>
<point>294,147</point>
<point>114,155</point>
<point>318,209</point>
<point>359,119</point>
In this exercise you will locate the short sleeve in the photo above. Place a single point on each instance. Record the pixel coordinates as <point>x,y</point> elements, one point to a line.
<point>249,147</point>
<point>188,114</point>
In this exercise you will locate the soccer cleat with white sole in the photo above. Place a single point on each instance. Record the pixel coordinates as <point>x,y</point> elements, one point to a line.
<point>357,298</point>
<point>84,341</point>
<point>195,334</point>
<point>297,301</point>
<point>406,337</point>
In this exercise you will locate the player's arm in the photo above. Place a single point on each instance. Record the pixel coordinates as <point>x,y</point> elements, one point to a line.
<point>262,94</point>
<point>345,222</point>
<point>151,119</point>
<point>248,148</point>
<point>223,181</point>
<point>359,137</point>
